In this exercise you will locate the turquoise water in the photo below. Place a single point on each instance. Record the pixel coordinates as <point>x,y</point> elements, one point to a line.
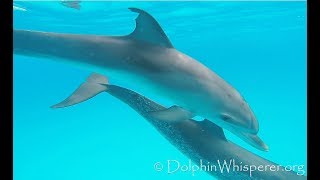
<point>258,47</point>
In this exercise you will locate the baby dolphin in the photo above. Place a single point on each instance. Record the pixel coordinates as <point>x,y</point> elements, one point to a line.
<point>202,141</point>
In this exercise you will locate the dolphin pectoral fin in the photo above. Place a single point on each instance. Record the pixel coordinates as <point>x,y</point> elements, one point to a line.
<point>94,85</point>
<point>148,29</point>
<point>174,113</point>
<point>253,140</point>
<point>213,129</point>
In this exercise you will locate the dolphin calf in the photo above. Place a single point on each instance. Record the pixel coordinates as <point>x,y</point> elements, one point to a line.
<point>147,57</point>
<point>202,141</point>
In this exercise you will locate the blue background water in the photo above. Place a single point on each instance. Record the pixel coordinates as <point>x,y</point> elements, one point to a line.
<point>259,47</point>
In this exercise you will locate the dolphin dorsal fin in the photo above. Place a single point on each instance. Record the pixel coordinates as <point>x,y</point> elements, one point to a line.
<point>148,29</point>
<point>214,129</point>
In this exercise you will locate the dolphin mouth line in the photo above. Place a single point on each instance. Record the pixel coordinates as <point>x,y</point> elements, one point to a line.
<point>230,121</point>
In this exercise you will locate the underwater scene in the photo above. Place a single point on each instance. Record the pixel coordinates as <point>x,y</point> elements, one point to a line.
<point>159,90</point>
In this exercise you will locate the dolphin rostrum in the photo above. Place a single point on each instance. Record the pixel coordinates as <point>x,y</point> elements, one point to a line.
<point>202,141</point>
<point>148,58</point>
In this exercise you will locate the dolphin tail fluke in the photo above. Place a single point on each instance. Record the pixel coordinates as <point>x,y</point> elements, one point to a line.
<point>94,85</point>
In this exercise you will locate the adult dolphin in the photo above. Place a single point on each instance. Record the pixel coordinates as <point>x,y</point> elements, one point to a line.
<point>202,141</point>
<point>147,58</point>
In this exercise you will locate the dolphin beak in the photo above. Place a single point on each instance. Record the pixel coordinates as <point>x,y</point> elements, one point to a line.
<point>254,126</point>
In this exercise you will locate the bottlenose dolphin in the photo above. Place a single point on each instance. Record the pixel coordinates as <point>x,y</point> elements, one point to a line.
<point>202,141</point>
<point>147,58</point>
<point>75,4</point>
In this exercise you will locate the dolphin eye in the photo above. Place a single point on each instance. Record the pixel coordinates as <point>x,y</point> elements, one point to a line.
<point>225,117</point>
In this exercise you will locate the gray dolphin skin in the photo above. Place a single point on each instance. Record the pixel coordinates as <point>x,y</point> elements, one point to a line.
<point>202,141</point>
<point>147,58</point>
<point>75,4</point>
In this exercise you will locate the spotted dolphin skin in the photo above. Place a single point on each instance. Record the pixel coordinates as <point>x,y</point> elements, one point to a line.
<point>147,59</point>
<point>202,141</point>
